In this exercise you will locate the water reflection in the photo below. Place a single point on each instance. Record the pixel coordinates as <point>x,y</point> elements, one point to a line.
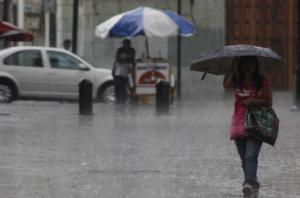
<point>85,120</point>
<point>135,151</point>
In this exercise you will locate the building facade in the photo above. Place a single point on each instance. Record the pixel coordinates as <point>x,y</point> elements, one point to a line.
<point>207,15</point>
<point>51,22</point>
<point>210,27</point>
<point>218,22</point>
<point>264,23</point>
<point>270,24</point>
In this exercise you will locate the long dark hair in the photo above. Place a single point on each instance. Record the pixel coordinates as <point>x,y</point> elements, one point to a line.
<point>256,76</point>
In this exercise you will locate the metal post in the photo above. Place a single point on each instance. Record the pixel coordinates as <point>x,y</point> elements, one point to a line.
<point>47,28</point>
<point>147,47</point>
<point>298,61</point>
<point>179,56</point>
<point>298,84</point>
<point>6,10</point>
<point>297,70</point>
<point>85,97</point>
<point>6,6</point>
<point>162,97</point>
<point>75,26</point>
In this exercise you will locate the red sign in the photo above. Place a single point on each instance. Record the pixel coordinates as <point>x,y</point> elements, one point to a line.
<point>151,77</point>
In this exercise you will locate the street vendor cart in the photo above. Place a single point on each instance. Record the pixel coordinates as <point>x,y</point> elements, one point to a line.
<point>148,22</point>
<point>147,73</point>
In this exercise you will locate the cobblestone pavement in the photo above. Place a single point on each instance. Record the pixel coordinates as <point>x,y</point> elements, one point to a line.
<point>47,150</point>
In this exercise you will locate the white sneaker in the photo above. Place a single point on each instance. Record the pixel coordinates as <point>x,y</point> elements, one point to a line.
<point>248,190</point>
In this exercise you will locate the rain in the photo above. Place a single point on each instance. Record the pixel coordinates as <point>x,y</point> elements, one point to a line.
<point>49,150</point>
<point>66,133</point>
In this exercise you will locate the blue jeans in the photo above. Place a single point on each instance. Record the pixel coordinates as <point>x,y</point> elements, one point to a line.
<point>248,149</point>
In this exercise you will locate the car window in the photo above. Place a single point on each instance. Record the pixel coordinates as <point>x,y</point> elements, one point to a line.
<point>28,58</point>
<point>61,60</point>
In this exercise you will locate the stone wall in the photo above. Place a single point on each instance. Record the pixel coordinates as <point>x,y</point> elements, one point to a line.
<point>64,16</point>
<point>34,20</point>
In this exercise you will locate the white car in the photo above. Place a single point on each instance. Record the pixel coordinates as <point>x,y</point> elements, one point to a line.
<point>44,72</point>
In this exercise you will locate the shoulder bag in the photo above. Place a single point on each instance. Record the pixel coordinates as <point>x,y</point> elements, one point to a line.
<point>262,123</point>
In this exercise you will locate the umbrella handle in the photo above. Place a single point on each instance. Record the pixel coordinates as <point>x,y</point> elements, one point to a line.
<point>203,76</point>
<point>147,47</point>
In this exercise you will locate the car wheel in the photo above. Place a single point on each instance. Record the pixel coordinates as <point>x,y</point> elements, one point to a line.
<point>106,93</point>
<point>6,93</point>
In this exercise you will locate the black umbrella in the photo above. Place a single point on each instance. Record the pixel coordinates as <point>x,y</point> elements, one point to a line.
<point>219,60</point>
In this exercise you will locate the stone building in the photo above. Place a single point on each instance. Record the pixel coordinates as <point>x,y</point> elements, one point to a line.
<point>264,23</point>
<point>210,26</point>
<point>51,22</point>
<point>11,10</point>
<point>29,15</point>
<point>218,22</point>
<point>207,15</point>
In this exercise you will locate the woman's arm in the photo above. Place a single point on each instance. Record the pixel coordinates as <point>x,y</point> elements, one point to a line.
<point>265,100</point>
<point>228,81</point>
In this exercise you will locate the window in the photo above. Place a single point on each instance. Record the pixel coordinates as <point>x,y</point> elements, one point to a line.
<point>60,60</point>
<point>28,58</point>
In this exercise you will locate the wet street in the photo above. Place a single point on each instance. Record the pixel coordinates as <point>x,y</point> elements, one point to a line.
<point>47,150</point>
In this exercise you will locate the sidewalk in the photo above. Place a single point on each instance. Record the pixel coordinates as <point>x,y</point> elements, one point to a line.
<point>48,150</point>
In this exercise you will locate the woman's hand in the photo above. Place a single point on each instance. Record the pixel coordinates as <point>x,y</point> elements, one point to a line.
<point>248,102</point>
<point>255,102</point>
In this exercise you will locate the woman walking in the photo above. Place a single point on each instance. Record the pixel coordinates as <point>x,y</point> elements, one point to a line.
<point>250,89</point>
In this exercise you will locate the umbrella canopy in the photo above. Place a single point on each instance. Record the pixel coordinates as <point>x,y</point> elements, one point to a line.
<point>145,21</point>
<point>5,27</point>
<point>15,35</point>
<point>11,32</point>
<point>219,60</point>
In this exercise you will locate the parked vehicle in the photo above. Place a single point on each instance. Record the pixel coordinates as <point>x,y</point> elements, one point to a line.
<point>44,72</point>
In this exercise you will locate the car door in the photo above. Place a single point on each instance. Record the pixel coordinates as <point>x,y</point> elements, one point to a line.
<point>65,74</point>
<point>27,67</point>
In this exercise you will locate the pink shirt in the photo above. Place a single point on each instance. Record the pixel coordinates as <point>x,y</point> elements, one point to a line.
<point>238,118</point>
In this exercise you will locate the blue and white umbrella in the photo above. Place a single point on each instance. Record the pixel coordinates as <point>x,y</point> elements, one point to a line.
<point>145,21</point>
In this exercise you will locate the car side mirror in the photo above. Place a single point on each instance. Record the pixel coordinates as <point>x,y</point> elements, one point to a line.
<point>83,67</point>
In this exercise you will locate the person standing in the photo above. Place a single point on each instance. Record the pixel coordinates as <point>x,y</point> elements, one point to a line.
<point>250,89</point>
<point>67,44</point>
<point>124,61</point>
